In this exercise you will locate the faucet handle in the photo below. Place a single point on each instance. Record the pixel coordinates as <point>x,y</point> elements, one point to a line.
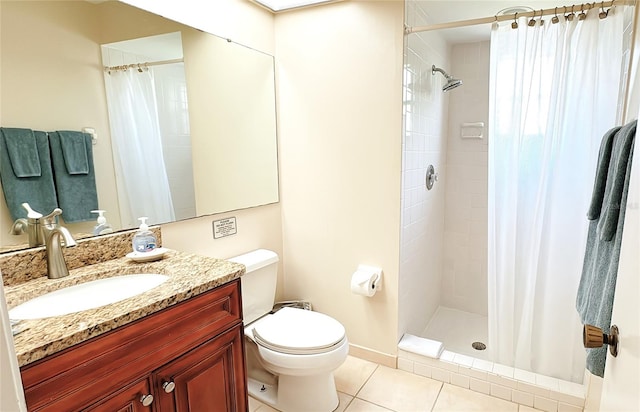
<point>31,214</point>
<point>52,218</point>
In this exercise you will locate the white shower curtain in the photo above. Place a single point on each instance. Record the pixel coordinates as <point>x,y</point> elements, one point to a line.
<point>141,177</point>
<point>554,92</point>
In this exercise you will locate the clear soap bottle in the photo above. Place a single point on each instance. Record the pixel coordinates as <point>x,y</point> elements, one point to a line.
<point>101,227</point>
<point>144,240</point>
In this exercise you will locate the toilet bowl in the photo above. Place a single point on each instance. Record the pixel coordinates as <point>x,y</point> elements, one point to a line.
<point>292,353</point>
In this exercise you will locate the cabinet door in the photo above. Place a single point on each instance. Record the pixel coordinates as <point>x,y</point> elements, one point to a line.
<point>210,378</point>
<point>134,398</point>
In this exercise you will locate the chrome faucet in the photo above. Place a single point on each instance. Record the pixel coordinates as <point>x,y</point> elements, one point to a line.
<point>30,226</point>
<point>54,235</point>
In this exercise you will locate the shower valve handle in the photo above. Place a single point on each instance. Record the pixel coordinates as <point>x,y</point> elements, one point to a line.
<point>593,337</point>
<point>431,177</point>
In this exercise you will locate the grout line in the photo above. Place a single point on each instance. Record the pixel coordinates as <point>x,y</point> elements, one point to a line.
<point>439,392</point>
<point>348,403</point>
<point>365,382</point>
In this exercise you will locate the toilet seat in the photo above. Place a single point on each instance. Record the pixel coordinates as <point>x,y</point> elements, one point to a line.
<point>298,332</point>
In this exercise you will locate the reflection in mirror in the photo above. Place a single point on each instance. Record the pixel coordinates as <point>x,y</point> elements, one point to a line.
<point>53,79</point>
<point>148,113</point>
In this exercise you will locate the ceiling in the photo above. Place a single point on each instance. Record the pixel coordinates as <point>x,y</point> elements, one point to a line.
<point>456,10</point>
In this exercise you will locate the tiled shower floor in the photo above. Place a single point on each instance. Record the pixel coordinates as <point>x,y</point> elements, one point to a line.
<point>457,330</point>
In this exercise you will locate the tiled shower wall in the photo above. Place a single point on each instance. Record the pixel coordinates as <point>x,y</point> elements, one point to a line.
<point>424,142</point>
<point>464,284</point>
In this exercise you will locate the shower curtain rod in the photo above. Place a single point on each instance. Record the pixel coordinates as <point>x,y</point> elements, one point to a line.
<point>141,65</point>
<point>562,10</point>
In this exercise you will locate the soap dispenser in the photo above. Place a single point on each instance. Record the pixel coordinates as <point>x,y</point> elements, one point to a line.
<point>144,240</point>
<point>101,227</point>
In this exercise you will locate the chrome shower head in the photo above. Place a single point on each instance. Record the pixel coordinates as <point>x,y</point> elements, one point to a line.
<point>452,82</point>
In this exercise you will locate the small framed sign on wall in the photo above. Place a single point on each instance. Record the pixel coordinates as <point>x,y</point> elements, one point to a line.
<point>224,227</point>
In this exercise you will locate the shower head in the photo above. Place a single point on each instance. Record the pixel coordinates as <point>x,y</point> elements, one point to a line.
<point>452,82</point>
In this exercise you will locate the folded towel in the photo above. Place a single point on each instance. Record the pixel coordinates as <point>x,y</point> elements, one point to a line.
<point>77,193</point>
<point>23,151</point>
<point>421,346</point>
<point>602,169</point>
<point>74,151</point>
<point>594,300</point>
<point>38,191</point>
<point>622,149</point>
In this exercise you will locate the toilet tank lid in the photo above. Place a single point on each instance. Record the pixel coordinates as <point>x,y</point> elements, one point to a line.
<point>256,259</point>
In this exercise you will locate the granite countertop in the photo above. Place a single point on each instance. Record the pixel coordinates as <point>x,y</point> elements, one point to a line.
<point>189,275</point>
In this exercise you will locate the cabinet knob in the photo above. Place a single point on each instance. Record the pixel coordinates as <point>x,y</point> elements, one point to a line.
<point>593,337</point>
<point>168,386</point>
<point>146,400</point>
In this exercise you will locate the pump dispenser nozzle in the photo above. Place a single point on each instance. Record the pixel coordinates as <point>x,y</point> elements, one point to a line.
<point>101,227</point>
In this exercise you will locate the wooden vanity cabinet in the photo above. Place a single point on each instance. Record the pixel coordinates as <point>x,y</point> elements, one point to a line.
<point>188,357</point>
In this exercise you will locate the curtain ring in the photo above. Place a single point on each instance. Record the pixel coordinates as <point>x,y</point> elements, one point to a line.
<point>603,14</point>
<point>582,14</point>
<point>532,22</point>
<point>555,19</point>
<point>541,21</point>
<point>570,16</point>
<point>514,25</point>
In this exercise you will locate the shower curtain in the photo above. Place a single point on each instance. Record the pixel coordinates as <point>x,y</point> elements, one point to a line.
<point>141,176</point>
<point>554,91</point>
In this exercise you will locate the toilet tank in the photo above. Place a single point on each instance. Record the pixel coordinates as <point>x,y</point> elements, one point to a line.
<point>258,283</point>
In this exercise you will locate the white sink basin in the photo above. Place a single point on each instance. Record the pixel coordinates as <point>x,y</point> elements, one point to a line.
<point>85,296</point>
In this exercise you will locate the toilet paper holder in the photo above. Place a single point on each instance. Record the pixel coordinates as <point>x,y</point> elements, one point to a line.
<point>366,274</point>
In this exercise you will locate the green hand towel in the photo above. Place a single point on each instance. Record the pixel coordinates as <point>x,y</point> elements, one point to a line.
<point>74,152</point>
<point>23,151</point>
<point>77,193</point>
<point>38,191</point>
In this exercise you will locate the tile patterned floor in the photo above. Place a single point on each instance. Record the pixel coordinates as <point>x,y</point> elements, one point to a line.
<point>368,387</point>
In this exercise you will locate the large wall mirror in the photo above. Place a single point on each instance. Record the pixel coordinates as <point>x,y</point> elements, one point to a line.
<point>218,116</point>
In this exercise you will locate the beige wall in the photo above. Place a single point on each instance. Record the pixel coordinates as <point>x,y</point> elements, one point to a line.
<point>339,77</point>
<point>258,228</point>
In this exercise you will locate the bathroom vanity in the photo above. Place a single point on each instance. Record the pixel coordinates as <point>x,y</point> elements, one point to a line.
<point>188,354</point>
<point>177,347</point>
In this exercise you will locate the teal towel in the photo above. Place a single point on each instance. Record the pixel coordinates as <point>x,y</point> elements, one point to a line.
<point>594,300</point>
<point>38,191</point>
<point>23,152</point>
<point>77,193</point>
<point>602,169</point>
<point>607,225</point>
<point>74,152</point>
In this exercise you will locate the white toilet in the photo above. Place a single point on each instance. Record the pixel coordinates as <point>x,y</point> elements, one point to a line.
<point>291,354</point>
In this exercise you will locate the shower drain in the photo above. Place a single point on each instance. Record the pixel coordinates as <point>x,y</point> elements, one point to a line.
<point>478,346</point>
